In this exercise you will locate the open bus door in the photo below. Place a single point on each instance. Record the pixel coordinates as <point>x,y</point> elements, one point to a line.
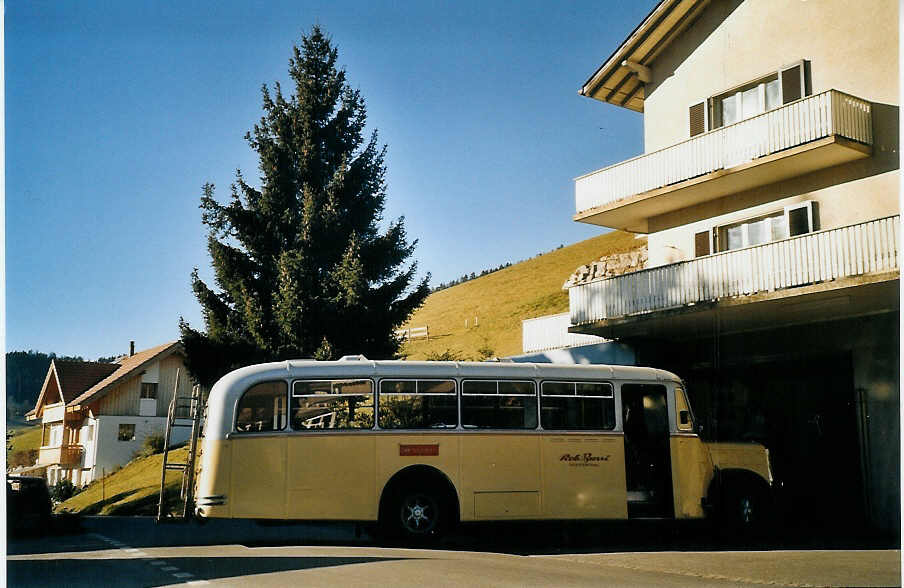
<point>648,470</point>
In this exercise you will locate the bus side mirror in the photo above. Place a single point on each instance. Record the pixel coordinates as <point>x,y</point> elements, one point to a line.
<point>685,417</point>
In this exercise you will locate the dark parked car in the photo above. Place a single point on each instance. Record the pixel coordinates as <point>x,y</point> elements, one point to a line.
<point>28,505</point>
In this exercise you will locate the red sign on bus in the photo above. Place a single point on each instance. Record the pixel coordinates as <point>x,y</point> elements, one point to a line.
<point>418,450</point>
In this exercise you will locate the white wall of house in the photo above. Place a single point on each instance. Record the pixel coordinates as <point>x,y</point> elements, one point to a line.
<point>109,452</point>
<point>851,47</point>
<point>53,412</point>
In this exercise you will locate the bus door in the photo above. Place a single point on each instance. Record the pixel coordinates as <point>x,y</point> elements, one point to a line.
<point>692,467</point>
<point>648,471</point>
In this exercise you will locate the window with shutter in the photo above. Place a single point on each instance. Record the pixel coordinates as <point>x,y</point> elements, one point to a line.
<point>802,218</point>
<point>701,244</point>
<point>792,83</point>
<point>697,119</point>
<point>755,97</point>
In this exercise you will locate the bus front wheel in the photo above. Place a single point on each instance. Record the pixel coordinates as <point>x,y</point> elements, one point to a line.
<point>746,510</point>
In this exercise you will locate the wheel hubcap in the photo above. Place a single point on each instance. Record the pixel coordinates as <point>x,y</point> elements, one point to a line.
<point>417,514</point>
<point>746,510</point>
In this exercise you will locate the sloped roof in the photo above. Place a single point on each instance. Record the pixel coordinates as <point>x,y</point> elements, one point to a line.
<point>617,82</point>
<point>70,379</point>
<point>126,369</point>
<point>74,377</point>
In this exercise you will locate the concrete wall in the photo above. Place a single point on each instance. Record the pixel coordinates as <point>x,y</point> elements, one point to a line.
<point>851,46</point>
<point>609,353</point>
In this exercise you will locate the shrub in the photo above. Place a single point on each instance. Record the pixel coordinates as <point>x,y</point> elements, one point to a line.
<point>152,444</point>
<point>447,355</point>
<point>63,490</point>
<point>485,351</point>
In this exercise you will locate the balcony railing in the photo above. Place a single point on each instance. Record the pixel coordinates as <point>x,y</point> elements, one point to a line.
<point>865,248</point>
<point>808,119</point>
<point>62,455</point>
<point>551,332</point>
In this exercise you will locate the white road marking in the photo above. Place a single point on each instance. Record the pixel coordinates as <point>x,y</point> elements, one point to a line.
<point>161,564</point>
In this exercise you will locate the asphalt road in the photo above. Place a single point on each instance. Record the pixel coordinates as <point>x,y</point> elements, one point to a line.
<point>131,552</point>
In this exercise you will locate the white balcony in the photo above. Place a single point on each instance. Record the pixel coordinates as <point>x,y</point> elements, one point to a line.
<point>815,132</point>
<point>814,263</point>
<point>551,332</point>
<point>60,455</point>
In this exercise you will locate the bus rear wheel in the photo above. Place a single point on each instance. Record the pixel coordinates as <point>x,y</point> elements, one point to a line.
<point>418,515</point>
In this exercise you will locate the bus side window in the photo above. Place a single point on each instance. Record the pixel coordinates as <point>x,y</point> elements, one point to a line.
<point>577,406</point>
<point>418,404</point>
<point>262,408</point>
<point>498,404</point>
<point>682,412</point>
<point>332,404</point>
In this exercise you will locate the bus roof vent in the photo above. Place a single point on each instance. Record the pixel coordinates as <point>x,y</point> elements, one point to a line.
<point>352,358</point>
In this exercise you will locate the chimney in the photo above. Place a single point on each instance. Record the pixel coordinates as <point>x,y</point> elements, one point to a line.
<point>131,348</point>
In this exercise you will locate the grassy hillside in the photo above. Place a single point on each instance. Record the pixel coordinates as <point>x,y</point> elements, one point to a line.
<point>133,490</point>
<point>25,438</point>
<point>501,300</point>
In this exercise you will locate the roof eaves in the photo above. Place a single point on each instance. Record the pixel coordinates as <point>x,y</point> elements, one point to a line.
<point>40,402</point>
<point>621,48</point>
<point>645,43</point>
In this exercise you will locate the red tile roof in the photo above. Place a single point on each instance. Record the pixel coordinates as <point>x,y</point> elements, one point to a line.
<point>74,377</point>
<point>125,369</point>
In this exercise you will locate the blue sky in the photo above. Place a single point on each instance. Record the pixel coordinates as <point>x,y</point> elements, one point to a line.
<point>118,112</point>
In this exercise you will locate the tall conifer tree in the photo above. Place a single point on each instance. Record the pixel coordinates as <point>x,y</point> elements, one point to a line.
<point>302,266</point>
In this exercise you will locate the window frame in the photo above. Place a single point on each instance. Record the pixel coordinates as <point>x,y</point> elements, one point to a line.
<point>238,402</point>
<point>292,429</point>
<point>462,394</point>
<point>714,116</point>
<point>151,386</point>
<point>720,241</point>
<point>613,396</point>
<point>681,398</point>
<point>456,393</point>
<point>119,435</point>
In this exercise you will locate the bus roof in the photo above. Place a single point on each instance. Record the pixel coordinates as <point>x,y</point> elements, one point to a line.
<point>357,366</point>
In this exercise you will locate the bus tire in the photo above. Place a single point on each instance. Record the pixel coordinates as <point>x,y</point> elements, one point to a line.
<point>745,509</point>
<point>416,514</point>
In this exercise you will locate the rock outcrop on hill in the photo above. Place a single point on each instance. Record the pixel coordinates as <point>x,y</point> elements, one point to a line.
<point>608,266</point>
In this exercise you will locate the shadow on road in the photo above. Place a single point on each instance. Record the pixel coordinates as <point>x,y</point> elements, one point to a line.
<point>135,572</point>
<point>519,538</point>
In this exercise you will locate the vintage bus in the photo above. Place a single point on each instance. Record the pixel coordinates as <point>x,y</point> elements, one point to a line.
<point>419,446</point>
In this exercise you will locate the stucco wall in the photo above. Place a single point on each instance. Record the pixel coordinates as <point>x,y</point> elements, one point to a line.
<point>851,47</point>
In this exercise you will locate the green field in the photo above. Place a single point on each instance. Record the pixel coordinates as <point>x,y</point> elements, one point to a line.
<point>25,438</point>
<point>133,490</point>
<point>501,300</point>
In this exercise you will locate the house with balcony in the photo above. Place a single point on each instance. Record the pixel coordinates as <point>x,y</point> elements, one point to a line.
<point>95,416</point>
<point>769,194</point>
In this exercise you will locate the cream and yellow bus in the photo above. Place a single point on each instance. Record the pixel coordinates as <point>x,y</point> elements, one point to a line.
<point>419,446</point>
